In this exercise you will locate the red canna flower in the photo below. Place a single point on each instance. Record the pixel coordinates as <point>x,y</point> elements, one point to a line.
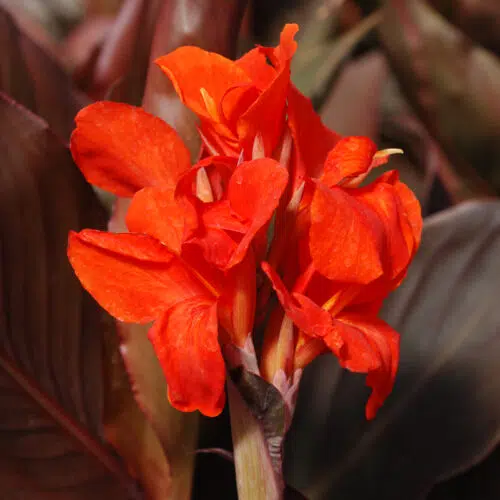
<point>235,100</point>
<point>137,279</point>
<point>198,232</point>
<point>353,246</point>
<point>189,264</point>
<point>243,105</point>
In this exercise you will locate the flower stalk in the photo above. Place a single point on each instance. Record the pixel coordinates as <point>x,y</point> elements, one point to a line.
<point>255,475</point>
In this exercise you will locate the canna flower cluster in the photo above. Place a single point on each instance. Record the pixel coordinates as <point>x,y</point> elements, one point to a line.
<point>272,225</point>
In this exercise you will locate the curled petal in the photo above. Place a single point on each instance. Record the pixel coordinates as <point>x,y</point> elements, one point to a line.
<point>350,158</point>
<point>362,342</point>
<point>254,64</point>
<point>287,47</point>
<point>236,102</point>
<point>122,149</point>
<point>384,201</point>
<point>346,237</point>
<point>411,213</point>
<point>134,277</point>
<point>357,353</point>
<point>384,343</point>
<point>308,316</point>
<point>185,340</point>
<point>281,55</point>
<point>254,191</point>
<point>399,210</point>
<point>190,69</point>
<point>266,116</point>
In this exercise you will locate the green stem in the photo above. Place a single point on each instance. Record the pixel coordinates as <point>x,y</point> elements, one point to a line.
<point>255,477</point>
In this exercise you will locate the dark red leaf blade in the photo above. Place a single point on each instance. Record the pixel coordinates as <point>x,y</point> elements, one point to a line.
<point>35,79</point>
<point>51,332</point>
<point>444,413</point>
<point>479,20</point>
<point>451,83</point>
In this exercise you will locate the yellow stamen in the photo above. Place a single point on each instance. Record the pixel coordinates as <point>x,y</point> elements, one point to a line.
<point>210,288</point>
<point>387,152</point>
<point>339,300</point>
<point>331,301</point>
<point>210,105</point>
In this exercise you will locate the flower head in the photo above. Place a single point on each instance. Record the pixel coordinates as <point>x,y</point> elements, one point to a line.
<point>235,100</point>
<point>353,246</point>
<point>332,249</point>
<point>188,260</point>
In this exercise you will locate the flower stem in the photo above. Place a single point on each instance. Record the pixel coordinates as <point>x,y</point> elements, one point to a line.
<point>255,477</point>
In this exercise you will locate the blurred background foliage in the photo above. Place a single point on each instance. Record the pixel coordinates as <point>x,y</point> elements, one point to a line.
<point>420,75</point>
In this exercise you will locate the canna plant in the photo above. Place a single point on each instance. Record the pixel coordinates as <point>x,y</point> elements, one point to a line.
<point>270,238</point>
<point>258,262</point>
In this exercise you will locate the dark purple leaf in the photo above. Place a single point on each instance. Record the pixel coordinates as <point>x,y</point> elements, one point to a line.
<point>144,30</point>
<point>101,7</point>
<point>318,61</point>
<point>353,108</point>
<point>36,80</point>
<point>51,332</point>
<point>130,432</point>
<point>452,84</point>
<point>213,25</point>
<point>177,432</point>
<point>122,62</point>
<point>444,413</point>
<point>479,19</point>
<point>482,481</point>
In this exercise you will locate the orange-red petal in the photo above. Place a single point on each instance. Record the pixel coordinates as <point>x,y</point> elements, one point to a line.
<point>156,211</point>
<point>134,277</point>
<point>411,213</point>
<point>191,68</point>
<point>266,116</point>
<point>122,149</point>
<point>236,305</point>
<point>311,139</point>
<point>383,199</point>
<point>254,64</point>
<point>254,192</point>
<point>308,316</point>
<point>287,46</point>
<point>282,54</point>
<point>351,157</point>
<point>346,237</point>
<point>384,341</point>
<point>185,340</point>
<point>219,215</point>
<point>216,245</point>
